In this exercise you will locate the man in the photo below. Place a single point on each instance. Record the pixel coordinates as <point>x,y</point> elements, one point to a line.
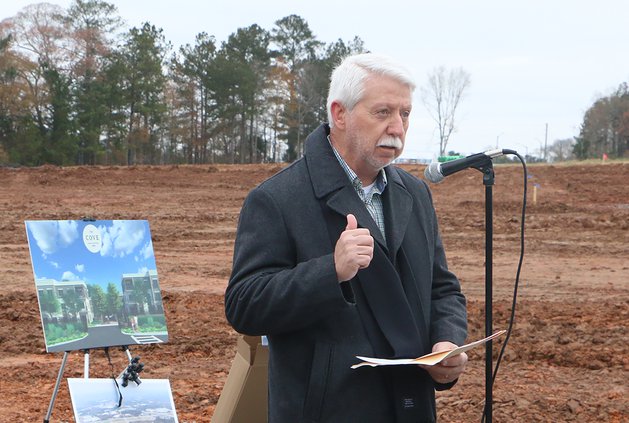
<point>339,255</point>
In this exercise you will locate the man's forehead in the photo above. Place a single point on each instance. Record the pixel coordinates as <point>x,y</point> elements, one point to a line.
<point>385,89</point>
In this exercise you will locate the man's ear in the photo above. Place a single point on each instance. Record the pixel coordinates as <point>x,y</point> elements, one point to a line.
<point>339,114</point>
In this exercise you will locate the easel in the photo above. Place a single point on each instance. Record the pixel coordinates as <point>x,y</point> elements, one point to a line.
<point>92,240</point>
<point>86,375</point>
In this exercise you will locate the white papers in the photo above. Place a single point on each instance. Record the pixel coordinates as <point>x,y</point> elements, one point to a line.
<point>428,359</point>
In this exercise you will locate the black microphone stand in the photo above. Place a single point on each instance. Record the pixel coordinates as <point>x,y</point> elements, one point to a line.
<point>488,180</point>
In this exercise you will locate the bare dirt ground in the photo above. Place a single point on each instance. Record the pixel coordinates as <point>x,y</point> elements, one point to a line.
<point>568,357</point>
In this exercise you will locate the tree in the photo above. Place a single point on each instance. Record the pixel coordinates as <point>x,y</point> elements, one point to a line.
<point>442,95</point>
<point>139,65</point>
<point>39,34</point>
<point>315,82</point>
<point>92,24</point>
<point>60,143</point>
<point>192,101</point>
<point>605,127</point>
<point>15,106</point>
<point>115,127</point>
<point>562,150</point>
<point>242,66</point>
<point>73,92</point>
<point>276,92</point>
<point>296,46</point>
<point>581,148</point>
<point>39,43</point>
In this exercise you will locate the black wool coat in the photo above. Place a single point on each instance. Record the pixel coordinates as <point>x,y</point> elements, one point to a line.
<point>284,285</point>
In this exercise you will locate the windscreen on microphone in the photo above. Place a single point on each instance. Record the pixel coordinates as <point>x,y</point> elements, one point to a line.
<point>433,172</point>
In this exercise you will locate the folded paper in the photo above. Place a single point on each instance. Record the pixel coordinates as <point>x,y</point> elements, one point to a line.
<point>427,360</point>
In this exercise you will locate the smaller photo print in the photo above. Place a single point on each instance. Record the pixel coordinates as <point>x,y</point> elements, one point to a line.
<point>96,400</point>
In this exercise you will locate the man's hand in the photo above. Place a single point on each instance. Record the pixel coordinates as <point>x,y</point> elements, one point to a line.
<point>353,251</point>
<point>450,369</point>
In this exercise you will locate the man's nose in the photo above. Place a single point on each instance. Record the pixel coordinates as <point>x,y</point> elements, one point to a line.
<point>396,126</point>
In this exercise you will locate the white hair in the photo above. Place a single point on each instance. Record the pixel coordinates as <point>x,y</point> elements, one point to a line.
<point>347,82</point>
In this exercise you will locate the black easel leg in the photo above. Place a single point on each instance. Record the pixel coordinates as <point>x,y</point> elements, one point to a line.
<point>54,393</point>
<point>488,300</point>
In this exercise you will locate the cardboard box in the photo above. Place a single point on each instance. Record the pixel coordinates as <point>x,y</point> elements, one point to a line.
<point>244,396</point>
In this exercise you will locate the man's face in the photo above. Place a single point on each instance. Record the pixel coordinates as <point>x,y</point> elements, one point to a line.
<point>376,127</point>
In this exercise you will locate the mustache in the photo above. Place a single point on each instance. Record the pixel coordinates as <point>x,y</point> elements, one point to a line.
<point>394,142</point>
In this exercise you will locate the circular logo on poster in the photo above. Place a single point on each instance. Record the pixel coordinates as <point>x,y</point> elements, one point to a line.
<point>92,238</point>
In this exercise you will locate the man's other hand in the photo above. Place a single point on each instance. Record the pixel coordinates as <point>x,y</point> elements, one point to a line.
<point>450,369</point>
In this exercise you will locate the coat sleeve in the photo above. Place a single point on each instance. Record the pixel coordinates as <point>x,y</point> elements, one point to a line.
<point>269,292</point>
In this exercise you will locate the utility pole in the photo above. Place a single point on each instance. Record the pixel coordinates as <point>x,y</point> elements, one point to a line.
<point>546,144</point>
<point>498,139</point>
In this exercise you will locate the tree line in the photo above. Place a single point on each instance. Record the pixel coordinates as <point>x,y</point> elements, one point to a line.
<point>77,90</point>
<point>605,127</point>
<point>604,132</point>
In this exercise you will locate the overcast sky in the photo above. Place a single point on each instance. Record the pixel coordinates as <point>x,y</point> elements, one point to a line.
<point>531,63</point>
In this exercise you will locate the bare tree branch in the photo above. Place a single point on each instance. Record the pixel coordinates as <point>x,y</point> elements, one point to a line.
<point>442,96</point>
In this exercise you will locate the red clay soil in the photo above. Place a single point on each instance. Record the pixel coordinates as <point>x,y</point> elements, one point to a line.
<point>568,357</point>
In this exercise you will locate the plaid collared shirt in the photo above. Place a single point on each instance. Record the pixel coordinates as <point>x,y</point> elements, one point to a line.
<point>373,198</point>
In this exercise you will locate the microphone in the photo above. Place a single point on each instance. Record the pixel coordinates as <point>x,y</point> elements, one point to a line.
<point>436,172</point>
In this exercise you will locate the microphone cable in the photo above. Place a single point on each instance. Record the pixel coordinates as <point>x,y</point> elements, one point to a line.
<point>517,278</point>
<point>113,376</point>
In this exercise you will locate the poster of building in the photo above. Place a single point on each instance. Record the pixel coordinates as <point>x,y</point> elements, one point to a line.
<point>97,283</point>
<point>96,400</point>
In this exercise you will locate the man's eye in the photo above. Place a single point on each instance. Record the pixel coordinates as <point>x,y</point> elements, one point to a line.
<point>405,114</point>
<point>383,112</point>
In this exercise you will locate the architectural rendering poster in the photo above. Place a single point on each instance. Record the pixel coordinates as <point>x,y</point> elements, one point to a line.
<point>97,283</point>
<point>96,400</point>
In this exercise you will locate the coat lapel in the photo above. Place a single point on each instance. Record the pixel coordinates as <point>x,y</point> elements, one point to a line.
<point>398,207</point>
<point>346,201</point>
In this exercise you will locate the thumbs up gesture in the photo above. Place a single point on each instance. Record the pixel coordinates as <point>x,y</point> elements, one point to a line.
<point>353,250</point>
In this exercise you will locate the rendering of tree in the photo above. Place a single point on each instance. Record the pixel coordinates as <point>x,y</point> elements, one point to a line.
<point>113,301</point>
<point>442,96</point>
<point>49,303</point>
<point>141,294</point>
<point>72,303</point>
<point>98,300</point>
